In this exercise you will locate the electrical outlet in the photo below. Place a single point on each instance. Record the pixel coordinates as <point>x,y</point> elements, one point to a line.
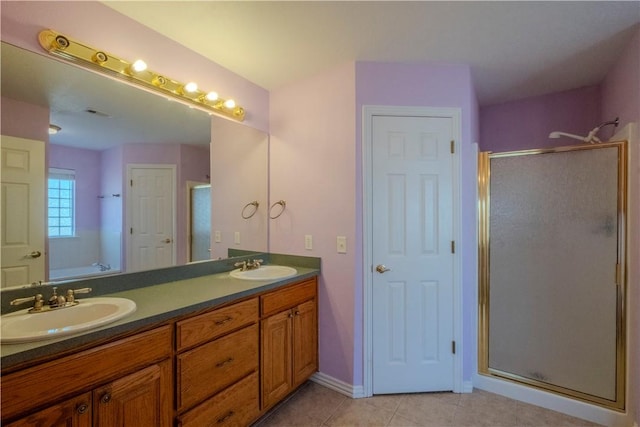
<point>341,242</point>
<point>236,237</point>
<point>308,242</point>
<point>217,236</point>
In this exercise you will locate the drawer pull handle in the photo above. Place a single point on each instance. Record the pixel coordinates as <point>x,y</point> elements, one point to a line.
<point>224,362</point>
<point>106,398</point>
<point>226,417</point>
<point>82,408</point>
<point>223,321</point>
<point>290,314</point>
<point>297,313</point>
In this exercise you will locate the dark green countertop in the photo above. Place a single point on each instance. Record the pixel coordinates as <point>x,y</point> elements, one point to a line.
<point>155,304</point>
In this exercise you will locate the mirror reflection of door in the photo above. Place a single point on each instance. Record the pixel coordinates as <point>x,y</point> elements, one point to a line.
<point>200,222</point>
<point>152,216</point>
<point>22,211</point>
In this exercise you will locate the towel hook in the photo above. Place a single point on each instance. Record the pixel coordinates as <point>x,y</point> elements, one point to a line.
<point>255,205</point>
<point>281,203</point>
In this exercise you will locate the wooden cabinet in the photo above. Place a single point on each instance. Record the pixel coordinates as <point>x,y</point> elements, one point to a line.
<point>75,412</point>
<point>217,380</point>
<point>113,383</point>
<point>229,366</point>
<point>289,336</point>
<point>139,399</point>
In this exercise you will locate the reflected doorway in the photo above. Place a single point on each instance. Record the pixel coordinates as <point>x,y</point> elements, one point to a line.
<point>199,222</point>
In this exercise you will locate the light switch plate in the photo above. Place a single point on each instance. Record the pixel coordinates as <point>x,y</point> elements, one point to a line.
<point>217,236</point>
<point>236,237</point>
<point>308,242</point>
<point>341,244</point>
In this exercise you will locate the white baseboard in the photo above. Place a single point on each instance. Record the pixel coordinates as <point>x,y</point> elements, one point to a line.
<point>355,392</point>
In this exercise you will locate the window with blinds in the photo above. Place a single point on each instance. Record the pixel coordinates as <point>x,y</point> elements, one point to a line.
<point>61,207</point>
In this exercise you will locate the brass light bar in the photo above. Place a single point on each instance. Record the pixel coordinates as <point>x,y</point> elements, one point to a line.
<point>73,51</point>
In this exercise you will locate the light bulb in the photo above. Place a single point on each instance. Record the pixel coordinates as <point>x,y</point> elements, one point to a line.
<point>139,65</point>
<point>229,103</point>
<point>191,87</point>
<point>212,96</point>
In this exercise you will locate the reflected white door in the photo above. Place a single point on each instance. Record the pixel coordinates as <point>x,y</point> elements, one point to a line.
<point>152,217</point>
<point>412,234</point>
<point>22,211</point>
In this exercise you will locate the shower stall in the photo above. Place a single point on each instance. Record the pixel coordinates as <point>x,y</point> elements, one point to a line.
<point>552,270</point>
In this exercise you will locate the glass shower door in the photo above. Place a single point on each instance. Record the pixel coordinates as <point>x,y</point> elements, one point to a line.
<point>554,257</point>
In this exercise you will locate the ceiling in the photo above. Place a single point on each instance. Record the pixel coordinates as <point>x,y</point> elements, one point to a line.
<point>515,49</point>
<point>94,111</point>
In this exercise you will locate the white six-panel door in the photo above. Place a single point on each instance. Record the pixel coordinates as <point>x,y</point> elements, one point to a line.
<point>152,217</point>
<point>22,213</point>
<point>412,234</point>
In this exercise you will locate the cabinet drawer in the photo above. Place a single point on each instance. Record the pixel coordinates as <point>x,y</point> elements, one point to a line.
<point>32,387</point>
<point>205,370</point>
<point>289,297</point>
<point>234,406</point>
<point>205,327</point>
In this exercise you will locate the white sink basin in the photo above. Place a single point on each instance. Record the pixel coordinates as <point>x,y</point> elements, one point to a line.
<point>265,272</point>
<point>90,313</point>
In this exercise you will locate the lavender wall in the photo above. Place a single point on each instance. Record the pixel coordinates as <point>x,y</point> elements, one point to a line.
<point>313,166</point>
<point>112,209</point>
<point>21,22</point>
<point>24,120</point>
<point>526,123</point>
<point>621,86</point>
<point>431,86</point>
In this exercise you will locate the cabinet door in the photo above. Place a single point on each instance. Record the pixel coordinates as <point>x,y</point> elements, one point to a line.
<point>305,341</point>
<point>141,399</point>
<point>276,357</point>
<point>74,412</point>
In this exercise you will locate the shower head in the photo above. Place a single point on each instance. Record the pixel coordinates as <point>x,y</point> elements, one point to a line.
<point>587,138</point>
<point>591,137</point>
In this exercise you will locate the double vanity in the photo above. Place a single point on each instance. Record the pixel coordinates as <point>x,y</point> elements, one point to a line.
<point>207,344</point>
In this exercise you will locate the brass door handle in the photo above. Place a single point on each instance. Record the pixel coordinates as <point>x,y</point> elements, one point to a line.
<point>380,268</point>
<point>166,241</point>
<point>34,254</point>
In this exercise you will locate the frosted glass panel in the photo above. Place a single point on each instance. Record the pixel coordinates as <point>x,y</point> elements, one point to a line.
<point>200,223</point>
<point>553,253</point>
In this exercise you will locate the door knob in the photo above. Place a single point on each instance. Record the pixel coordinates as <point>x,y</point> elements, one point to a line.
<point>380,268</point>
<point>34,254</point>
<point>166,241</point>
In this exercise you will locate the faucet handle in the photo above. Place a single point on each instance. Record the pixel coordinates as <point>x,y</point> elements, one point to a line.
<point>24,300</point>
<point>71,293</point>
<point>241,264</point>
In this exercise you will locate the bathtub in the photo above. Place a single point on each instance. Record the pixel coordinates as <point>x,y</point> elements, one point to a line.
<point>60,274</point>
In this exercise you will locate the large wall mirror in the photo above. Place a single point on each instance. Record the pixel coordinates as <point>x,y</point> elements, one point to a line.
<point>181,161</point>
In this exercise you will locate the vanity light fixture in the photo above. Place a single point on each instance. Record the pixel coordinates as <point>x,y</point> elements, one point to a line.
<point>53,129</point>
<point>136,72</point>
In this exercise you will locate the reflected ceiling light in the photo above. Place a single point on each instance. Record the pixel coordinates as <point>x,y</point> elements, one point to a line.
<point>53,129</point>
<point>137,73</point>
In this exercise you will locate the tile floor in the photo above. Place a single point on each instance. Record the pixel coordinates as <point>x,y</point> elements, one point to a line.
<point>315,405</point>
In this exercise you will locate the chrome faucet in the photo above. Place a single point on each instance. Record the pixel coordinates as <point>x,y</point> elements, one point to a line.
<point>55,302</point>
<point>253,264</point>
<point>242,265</point>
